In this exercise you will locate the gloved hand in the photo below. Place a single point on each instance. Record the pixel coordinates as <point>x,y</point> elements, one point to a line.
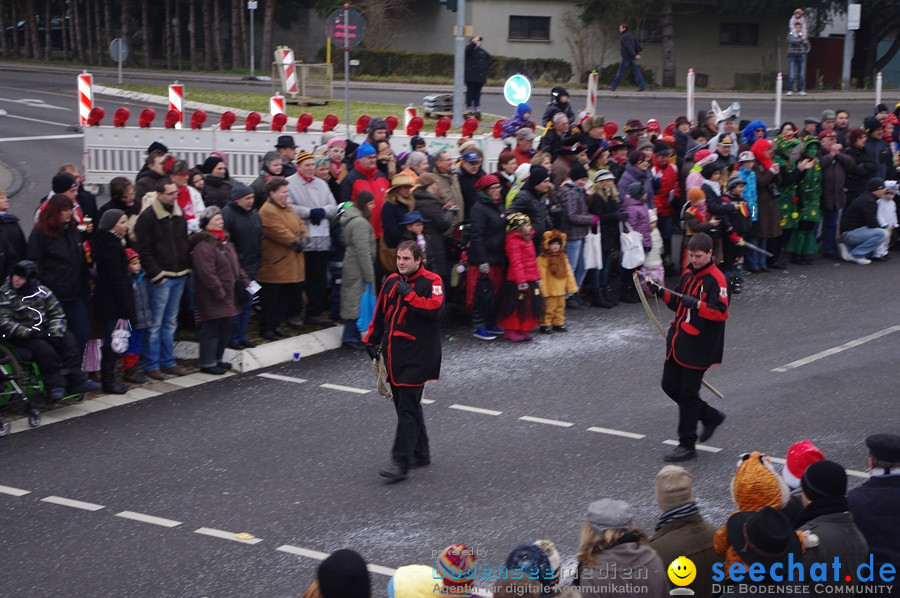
<point>596,219</point>
<point>373,350</point>
<point>484,268</point>
<point>690,302</point>
<point>316,215</point>
<point>403,287</point>
<point>622,216</point>
<point>523,286</point>
<point>656,288</point>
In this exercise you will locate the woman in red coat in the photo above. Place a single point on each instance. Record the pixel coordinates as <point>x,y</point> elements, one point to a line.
<point>520,304</point>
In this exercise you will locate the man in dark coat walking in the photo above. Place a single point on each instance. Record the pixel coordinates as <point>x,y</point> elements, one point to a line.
<point>477,61</point>
<point>630,50</point>
<point>695,342</point>
<point>406,330</point>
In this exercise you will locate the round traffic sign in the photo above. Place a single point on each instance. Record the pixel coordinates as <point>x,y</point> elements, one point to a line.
<point>118,50</point>
<point>353,30</point>
<point>517,90</point>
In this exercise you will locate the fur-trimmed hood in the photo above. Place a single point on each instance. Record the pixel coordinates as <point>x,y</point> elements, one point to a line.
<point>549,235</point>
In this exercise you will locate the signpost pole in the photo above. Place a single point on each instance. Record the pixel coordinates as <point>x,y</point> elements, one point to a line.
<point>252,6</point>
<point>347,68</point>
<point>119,60</point>
<point>459,64</point>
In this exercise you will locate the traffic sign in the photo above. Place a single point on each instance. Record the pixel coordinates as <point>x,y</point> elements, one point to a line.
<point>118,50</point>
<point>353,31</point>
<point>517,90</point>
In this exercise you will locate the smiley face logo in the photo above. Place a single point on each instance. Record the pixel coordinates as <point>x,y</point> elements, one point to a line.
<point>682,571</point>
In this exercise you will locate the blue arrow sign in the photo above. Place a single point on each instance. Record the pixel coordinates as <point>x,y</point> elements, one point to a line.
<point>517,90</point>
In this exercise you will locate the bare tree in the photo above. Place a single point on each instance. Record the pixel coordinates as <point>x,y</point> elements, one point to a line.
<point>208,35</point>
<point>217,33</point>
<point>145,17</point>
<point>589,47</point>
<point>236,54</point>
<point>125,31</point>
<point>48,42</point>
<point>76,25</point>
<point>667,31</point>
<point>192,33</point>
<point>176,35</point>
<point>33,44</point>
<point>4,42</point>
<point>91,32</point>
<point>268,23</point>
<point>383,18</point>
<point>167,33</point>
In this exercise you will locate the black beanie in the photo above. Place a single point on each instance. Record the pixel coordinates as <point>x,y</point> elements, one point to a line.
<point>537,175</point>
<point>823,479</point>
<point>578,172</point>
<point>344,575</point>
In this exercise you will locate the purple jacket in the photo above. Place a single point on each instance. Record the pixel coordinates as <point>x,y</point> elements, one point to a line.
<point>638,218</point>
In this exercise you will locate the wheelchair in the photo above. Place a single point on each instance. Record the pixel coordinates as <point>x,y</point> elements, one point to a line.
<point>20,382</point>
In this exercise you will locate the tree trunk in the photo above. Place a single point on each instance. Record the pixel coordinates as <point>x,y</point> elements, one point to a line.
<point>192,33</point>
<point>266,49</point>
<point>145,18</point>
<point>106,33</point>
<point>4,43</point>
<point>76,24</point>
<point>217,33</point>
<point>236,54</point>
<point>33,48</point>
<point>48,41</point>
<point>125,33</point>
<point>167,33</point>
<point>208,45</point>
<point>91,32</point>
<point>667,29</point>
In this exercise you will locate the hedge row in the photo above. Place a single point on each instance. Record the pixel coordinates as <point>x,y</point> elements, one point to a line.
<point>381,63</point>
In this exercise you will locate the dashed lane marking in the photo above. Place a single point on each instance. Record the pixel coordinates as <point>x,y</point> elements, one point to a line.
<point>75,504</point>
<point>835,350</point>
<point>427,401</point>
<point>282,378</point>
<point>359,391</point>
<point>13,491</point>
<point>148,519</point>
<point>699,447</point>
<point>853,472</point>
<point>616,432</point>
<point>41,137</point>
<point>549,422</point>
<point>475,409</point>
<point>218,533</point>
<point>321,556</point>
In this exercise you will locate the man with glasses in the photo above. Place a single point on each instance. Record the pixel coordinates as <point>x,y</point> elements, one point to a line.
<point>162,243</point>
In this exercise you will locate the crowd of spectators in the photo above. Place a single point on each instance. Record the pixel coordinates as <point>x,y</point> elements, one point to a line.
<point>785,530</point>
<point>317,230</point>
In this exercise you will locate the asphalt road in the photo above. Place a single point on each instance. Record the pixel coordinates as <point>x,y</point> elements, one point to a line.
<point>294,464</point>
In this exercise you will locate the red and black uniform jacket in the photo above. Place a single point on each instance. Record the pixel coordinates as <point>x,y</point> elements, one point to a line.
<point>696,336</point>
<point>408,328</point>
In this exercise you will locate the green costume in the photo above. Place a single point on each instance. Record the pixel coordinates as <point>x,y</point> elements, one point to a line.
<point>809,191</point>
<point>789,216</point>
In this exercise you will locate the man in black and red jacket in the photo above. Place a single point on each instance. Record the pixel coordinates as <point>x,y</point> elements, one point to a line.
<point>406,330</point>
<point>694,343</point>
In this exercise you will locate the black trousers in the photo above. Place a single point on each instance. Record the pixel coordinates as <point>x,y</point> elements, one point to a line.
<point>682,385</point>
<point>473,95</point>
<point>213,338</point>
<point>58,358</point>
<point>279,301</point>
<point>316,269</point>
<point>411,439</point>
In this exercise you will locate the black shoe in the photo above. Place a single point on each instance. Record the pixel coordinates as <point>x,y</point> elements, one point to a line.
<point>708,430</point>
<point>248,344</point>
<point>354,345</point>
<point>216,370</point>
<point>235,346</point>
<point>610,296</point>
<point>114,388</point>
<point>269,335</point>
<point>782,265</point>
<point>545,330</point>
<point>832,255</point>
<point>880,258</point>
<point>393,472</point>
<point>226,365</point>
<point>560,329</point>
<point>680,453</point>
<point>420,462</point>
<point>281,332</point>
<point>575,302</point>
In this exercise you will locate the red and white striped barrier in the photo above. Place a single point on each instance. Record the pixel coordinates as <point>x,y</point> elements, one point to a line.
<point>409,113</point>
<point>176,102</point>
<point>285,57</point>
<point>85,97</point>
<point>276,107</point>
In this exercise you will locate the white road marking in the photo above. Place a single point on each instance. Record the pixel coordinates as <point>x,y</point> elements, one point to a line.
<point>148,519</point>
<point>699,447</point>
<point>359,391</point>
<point>13,491</point>
<point>75,504</point>
<point>541,420</point>
<point>282,378</point>
<point>217,533</point>
<point>321,556</point>
<point>835,350</point>
<point>43,122</point>
<point>616,432</point>
<point>427,401</point>
<point>34,103</point>
<point>41,137</point>
<point>853,472</point>
<point>475,409</point>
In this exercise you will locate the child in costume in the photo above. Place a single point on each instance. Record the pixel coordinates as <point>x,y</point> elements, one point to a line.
<point>140,286</point>
<point>887,217</point>
<point>557,280</point>
<point>520,303</point>
<point>653,267</point>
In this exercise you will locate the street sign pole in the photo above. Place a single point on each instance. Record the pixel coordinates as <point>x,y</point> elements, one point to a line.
<point>347,68</point>
<point>459,64</point>
<point>252,6</point>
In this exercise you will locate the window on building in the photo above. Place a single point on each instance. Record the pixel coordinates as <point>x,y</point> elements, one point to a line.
<point>650,32</point>
<point>532,28</point>
<point>739,34</point>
